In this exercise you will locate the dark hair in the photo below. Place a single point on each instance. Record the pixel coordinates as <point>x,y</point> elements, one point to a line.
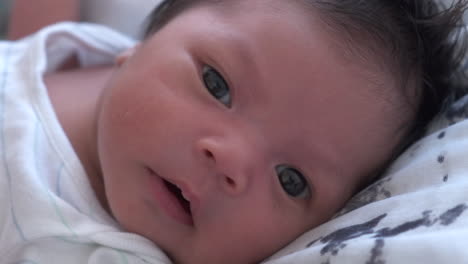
<point>422,38</point>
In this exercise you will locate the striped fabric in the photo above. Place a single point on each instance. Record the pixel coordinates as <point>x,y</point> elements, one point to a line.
<point>48,211</point>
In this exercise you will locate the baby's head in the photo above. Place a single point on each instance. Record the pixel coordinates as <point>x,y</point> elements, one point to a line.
<point>266,115</point>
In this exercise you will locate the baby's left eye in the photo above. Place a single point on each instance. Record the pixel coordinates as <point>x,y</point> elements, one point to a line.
<point>293,182</point>
<point>216,85</point>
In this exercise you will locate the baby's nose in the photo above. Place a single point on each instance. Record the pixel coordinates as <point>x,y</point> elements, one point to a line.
<point>231,163</point>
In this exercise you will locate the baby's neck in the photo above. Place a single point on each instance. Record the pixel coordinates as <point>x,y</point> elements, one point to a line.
<point>75,95</point>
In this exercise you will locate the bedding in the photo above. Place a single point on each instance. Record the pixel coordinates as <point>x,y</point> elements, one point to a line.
<point>416,213</point>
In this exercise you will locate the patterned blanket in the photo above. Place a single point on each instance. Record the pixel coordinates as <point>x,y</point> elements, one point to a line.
<point>416,213</point>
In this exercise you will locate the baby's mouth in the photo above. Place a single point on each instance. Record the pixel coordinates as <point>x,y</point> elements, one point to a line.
<point>178,194</point>
<point>175,200</point>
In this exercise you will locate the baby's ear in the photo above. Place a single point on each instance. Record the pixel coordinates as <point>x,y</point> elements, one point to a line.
<point>125,55</point>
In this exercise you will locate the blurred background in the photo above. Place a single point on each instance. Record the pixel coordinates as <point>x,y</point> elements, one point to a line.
<point>126,16</point>
<point>4,8</point>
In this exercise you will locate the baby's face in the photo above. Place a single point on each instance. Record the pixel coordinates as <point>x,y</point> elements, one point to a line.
<point>254,117</point>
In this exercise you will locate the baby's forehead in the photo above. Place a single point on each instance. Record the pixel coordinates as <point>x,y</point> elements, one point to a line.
<point>281,45</point>
<point>297,81</point>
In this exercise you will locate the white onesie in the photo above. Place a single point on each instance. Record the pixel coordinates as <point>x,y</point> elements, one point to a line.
<point>48,212</point>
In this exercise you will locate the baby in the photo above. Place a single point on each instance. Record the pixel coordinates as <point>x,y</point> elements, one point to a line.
<point>236,126</point>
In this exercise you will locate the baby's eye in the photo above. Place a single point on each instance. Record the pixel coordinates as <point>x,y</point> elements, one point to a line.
<point>293,182</point>
<point>216,85</point>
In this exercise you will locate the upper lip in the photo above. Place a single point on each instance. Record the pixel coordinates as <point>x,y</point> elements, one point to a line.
<point>185,190</point>
<point>186,193</point>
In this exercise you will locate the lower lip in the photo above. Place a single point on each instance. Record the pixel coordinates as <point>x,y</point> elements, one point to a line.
<point>167,201</point>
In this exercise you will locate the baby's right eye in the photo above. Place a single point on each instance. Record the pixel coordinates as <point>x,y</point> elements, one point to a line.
<point>216,85</point>
<point>293,182</point>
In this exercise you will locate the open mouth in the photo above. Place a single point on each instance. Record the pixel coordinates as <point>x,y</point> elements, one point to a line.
<point>178,194</point>
<point>176,202</point>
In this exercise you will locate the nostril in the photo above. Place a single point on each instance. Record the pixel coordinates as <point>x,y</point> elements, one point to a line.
<point>230,182</point>
<point>208,154</point>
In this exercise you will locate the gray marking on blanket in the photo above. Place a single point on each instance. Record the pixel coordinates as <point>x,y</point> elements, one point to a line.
<point>441,135</point>
<point>446,177</point>
<point>377,252</point>
<point>451,215</point>
<point>374,192</point>
<point>313,242</point>
<point>405,227</point>
<point>458,110</point>
<point>445,219</point>
<point>441,158</point>
<point>414,150</point>
<point>336,240</point>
